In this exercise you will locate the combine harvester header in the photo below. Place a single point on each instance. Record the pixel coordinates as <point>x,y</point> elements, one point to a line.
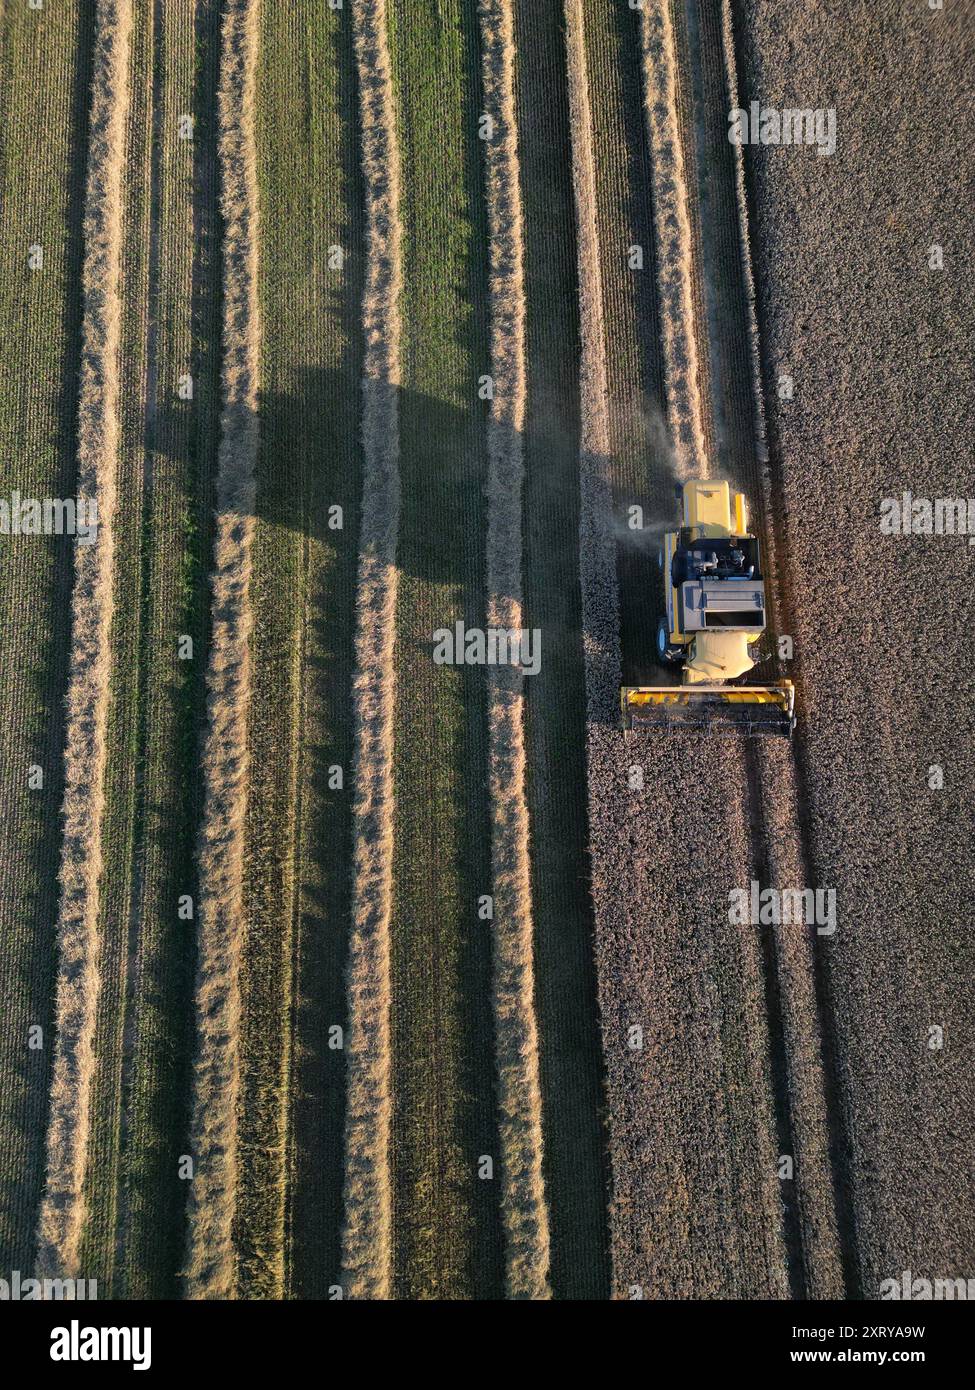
<point>715,609</point>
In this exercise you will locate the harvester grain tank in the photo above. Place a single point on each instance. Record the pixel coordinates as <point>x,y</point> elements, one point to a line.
<point>714,611</point>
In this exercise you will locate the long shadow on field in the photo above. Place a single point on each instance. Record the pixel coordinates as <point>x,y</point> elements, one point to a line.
<point>444,1078</point>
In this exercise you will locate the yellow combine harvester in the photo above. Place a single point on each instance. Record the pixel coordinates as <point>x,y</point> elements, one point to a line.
<point>715,610</point>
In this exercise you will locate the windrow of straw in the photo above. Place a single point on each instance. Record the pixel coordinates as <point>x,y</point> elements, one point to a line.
<point>524,1207</point>
<point>62,1209</point>
<point>674,240</point>
<point>600,595</point>
<point>210,1271</point>
<point>367,1243</point>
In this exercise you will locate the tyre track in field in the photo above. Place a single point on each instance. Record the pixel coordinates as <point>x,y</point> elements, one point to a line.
<point>367,1249</point>
<point>210,1266</point>
<point>62,1210</point>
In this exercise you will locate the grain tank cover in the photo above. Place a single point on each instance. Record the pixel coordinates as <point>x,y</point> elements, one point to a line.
<point>737,604</point>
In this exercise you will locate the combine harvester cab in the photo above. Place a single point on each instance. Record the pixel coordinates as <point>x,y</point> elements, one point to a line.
<point>715,609</point>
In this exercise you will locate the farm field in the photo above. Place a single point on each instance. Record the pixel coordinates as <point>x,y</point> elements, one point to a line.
<point>344,957</point>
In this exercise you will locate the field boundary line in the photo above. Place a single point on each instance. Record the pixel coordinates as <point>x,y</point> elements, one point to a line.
<point>367,1236</point>
<point>674,236</point>
<point>62,1211</point>
<point>523,1203</point>
<point>210,1267</point>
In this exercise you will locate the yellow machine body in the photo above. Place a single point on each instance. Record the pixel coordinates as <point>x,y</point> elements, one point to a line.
<point>714,601</point>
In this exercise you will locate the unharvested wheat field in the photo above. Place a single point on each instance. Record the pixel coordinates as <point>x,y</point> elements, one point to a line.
<point>340,959</point>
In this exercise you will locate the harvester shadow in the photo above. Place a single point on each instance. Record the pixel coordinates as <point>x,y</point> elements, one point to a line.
<point>309,497</point>
<point>310,478</point>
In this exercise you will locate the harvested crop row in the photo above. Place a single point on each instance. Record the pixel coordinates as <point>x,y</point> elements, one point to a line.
<point>637,468</point>
<point>135,1237</point>
<point>210,1271</point>
<point>367,1238</point>
<point>62,1210</point>
<point>600,600</point>
<point>44,72</point>
<point>121,865</point>
<point>674,250</point>
<point>523,1204</point>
